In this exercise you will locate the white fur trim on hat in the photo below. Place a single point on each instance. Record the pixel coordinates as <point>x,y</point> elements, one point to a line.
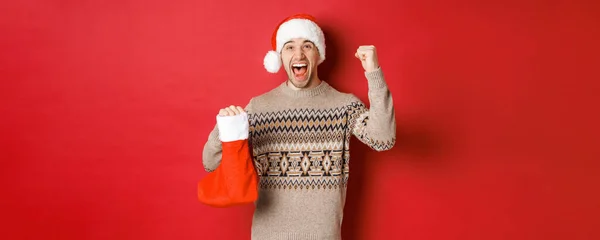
<point>301,28</point>
<point>272,61</point>
<point>295,28</point>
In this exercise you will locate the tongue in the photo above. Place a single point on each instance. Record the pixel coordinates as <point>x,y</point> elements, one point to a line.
<point>299,72</point>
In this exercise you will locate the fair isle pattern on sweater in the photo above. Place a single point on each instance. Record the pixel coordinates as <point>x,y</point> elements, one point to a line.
<point>308,148</point>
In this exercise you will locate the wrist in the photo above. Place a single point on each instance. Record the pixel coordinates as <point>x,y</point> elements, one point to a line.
<point>375,78</point>
<point>372,69</point>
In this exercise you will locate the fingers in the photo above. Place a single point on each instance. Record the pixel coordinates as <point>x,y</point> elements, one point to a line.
<point>240,109</point>
<point>360,55</point>
<point>362,52</point>
<point>366,47</point>
<point>231,111</point>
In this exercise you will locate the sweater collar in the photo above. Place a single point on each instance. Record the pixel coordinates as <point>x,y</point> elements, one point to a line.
<point>311,92</point>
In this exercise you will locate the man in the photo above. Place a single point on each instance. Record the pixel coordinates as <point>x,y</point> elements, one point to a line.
<point>300,133</point>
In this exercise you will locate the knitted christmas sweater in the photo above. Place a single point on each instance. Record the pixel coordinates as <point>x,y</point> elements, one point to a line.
<point>300,147</point>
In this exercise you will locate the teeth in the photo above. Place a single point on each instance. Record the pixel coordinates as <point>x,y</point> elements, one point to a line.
<point>299,65</point>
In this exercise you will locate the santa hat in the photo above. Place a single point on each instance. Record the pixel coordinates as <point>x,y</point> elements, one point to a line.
<point>295,26</point>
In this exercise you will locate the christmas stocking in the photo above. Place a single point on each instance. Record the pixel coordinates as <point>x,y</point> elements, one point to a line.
<point>235,181</point>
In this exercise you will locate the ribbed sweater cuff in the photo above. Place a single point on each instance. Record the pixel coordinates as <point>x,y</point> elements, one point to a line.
<point>376,79</point>
<point>293,236</point>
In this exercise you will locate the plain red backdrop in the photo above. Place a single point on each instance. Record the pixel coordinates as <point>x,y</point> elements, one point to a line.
<point>106,106</point>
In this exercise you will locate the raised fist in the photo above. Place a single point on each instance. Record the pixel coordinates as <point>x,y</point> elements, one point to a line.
<point>368,57</point>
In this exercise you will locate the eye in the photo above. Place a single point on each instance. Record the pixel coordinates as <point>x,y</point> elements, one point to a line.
<point>307,46</point>
<point>288,47</point>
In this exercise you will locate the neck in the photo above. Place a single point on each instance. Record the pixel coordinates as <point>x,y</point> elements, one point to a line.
<point>311,84</point>
<point>292,91</point>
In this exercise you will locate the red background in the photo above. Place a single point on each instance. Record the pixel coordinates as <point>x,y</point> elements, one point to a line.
<point>106,106</point>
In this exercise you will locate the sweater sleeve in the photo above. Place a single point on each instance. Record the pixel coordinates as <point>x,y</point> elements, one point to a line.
<point>374,126</point>
<point>226,129</point>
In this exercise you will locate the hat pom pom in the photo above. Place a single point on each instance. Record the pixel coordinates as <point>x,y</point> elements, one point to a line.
<point>272,62</point>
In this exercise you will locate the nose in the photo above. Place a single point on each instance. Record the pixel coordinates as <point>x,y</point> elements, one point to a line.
<point>298,54</point>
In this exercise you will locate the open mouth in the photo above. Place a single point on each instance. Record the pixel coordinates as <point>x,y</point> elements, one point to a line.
<point>299,70</point>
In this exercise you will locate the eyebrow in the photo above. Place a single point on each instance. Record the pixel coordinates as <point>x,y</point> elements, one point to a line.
<point>305,41</point>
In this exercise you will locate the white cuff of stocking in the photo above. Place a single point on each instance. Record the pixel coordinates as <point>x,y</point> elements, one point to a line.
<point>233,128</point>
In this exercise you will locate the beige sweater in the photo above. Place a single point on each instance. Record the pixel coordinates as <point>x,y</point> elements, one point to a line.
<point>300,142</point>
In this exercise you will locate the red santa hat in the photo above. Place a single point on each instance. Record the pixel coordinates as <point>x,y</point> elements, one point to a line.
<point>295,26</point>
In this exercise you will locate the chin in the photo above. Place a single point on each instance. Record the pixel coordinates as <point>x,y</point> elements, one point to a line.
<point>299,84</point>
